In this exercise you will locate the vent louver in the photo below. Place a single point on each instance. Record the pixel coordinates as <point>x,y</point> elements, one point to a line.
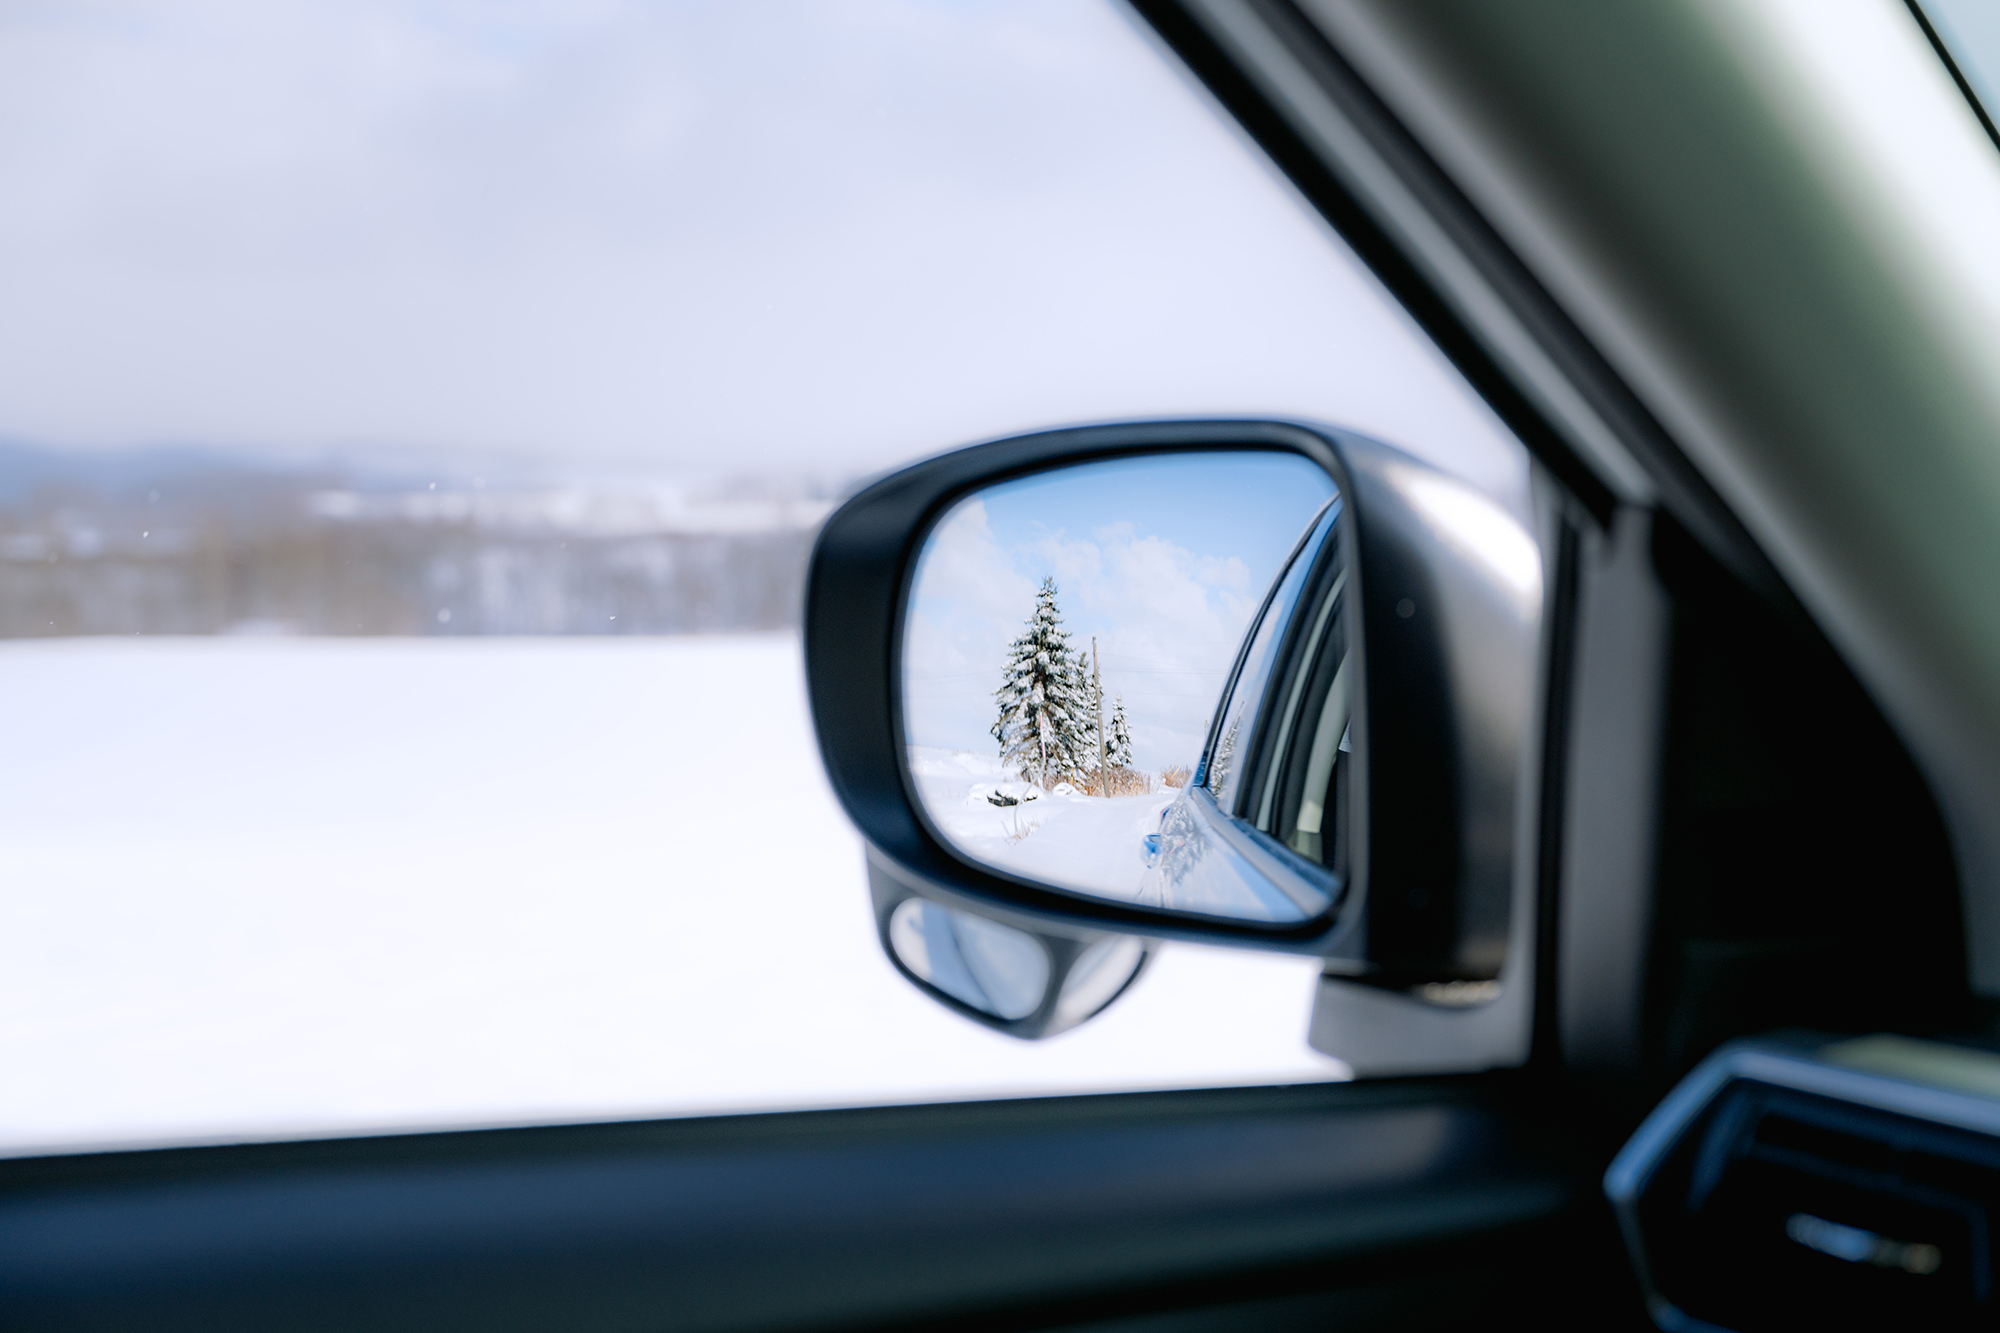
<point>1780,1187</point>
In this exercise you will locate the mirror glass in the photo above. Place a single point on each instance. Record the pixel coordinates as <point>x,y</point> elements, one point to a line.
<point>1067,641</point>
<point>1096,977</point>
<point>996,969</point>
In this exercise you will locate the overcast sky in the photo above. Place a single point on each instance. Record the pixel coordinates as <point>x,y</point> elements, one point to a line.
<point>768,236</point>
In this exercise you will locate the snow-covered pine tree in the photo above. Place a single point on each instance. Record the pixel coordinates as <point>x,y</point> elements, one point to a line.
<point>1118,744</point>
<point>1047,725</point>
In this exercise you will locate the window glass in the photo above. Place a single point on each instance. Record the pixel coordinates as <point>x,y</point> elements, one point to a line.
<point>413,420</point>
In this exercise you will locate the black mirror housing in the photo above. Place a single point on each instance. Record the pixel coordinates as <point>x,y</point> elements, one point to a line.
<point>1447,646</point>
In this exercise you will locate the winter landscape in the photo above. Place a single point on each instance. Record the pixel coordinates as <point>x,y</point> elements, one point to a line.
<point>1106,604</point>
<point>413,424</point>
<point>291,874</point>
<point>265,886</point>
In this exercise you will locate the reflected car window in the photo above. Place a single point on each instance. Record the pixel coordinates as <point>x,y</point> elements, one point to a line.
<point>1228,755</point>
<point>1302,780</point>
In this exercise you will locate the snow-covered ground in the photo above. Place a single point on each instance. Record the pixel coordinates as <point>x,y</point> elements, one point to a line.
<point>251,888</point>
<point>1079,842</point>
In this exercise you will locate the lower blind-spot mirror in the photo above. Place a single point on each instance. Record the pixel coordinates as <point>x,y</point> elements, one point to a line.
<point>1096,977</point>
<point>996,969</point>
<point>1025,984</point>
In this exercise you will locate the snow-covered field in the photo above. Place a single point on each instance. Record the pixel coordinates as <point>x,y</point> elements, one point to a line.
<point>251,888</point>
<point>1080,842</point>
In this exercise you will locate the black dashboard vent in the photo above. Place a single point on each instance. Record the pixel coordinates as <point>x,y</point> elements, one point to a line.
<point>1760,1206</point>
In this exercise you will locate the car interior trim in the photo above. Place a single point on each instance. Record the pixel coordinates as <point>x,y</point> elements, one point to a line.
<point>760,1220</point>
<point>1835,1070</point>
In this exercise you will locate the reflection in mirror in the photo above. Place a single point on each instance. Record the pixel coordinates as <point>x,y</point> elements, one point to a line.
<point>1027,985</point>
<point>1097,976</point>
<point>1067,639</point>
<point>996,969</point>
<point>1280,759</point>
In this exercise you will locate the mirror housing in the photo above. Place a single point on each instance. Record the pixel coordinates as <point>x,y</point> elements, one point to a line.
<point>1448,648</point>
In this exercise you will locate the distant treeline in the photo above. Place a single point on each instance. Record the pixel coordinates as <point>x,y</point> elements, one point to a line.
<point>221,551</point>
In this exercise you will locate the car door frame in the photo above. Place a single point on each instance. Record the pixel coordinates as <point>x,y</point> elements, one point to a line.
<point>1034,1211</point>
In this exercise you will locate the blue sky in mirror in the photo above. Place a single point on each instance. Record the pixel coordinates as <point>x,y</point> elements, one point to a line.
<point>1163,559</point>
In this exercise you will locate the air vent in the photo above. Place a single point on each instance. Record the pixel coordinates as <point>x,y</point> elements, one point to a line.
<point>1781,1187</point>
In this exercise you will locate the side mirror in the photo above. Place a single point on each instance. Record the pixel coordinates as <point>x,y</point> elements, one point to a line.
<point>1244,683</point>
